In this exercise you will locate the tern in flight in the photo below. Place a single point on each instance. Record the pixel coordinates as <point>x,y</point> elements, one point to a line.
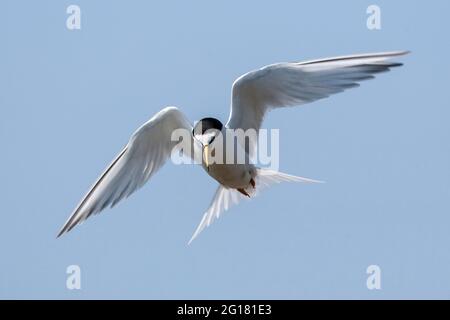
<point>253,95</point>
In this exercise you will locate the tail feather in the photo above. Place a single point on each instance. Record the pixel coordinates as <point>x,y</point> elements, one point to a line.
<point>268,177</point>
<point>225,197</point>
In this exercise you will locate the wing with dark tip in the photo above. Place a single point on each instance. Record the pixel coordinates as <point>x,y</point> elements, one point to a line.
<point>146,152</point>
<point>297,83</point>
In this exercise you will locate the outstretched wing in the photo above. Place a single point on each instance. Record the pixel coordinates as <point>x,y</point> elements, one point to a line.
<point>290,84</point>
<point>146,152</point>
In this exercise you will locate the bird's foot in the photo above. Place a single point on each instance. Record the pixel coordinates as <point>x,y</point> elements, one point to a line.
<point>252,182</point>
<point>245,193</point>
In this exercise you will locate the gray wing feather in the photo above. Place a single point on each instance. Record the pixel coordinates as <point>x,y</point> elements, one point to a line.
<point>291,84</point>
<point>146,152</point>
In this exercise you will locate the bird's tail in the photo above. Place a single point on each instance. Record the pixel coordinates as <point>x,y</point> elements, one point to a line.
<point>266,177</point>
<point>226,197</point>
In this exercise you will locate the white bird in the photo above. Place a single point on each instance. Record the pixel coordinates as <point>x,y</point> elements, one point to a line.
<point>253,95</point>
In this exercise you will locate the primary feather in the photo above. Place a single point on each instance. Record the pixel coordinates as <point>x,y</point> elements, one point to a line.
<point>146,152</point>
<point>296,83</point>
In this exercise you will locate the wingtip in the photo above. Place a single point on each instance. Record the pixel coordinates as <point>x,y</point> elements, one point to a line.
<point>193,237</point>
<point>396,53</point>
<point>60,233</point>
<point>66,228</point>
<point>400,52</point>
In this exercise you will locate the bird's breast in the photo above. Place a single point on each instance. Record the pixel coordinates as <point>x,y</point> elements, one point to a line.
<point>231,175</point>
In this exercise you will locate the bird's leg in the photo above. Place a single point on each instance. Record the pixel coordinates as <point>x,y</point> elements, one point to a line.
<point>252,182</point>
<point>243,192</point>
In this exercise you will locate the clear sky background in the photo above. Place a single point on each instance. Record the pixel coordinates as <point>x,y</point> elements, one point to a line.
<point>69,101</point>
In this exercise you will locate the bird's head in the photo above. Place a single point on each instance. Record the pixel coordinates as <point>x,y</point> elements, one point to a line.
<point>205,131</point>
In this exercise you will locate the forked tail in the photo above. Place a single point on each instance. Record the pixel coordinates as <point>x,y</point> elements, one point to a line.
<point>266,177</point>
<point>225,197</point>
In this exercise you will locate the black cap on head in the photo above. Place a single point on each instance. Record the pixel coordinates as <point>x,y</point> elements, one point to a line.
<point>206,124</point>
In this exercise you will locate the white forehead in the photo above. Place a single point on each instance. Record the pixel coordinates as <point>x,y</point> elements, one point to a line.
<point>207,136</point>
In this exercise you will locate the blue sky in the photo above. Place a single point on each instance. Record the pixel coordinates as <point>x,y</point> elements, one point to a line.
<point>71,99</point>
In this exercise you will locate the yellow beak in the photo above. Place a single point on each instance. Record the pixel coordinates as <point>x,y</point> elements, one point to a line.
<point>206,155</point>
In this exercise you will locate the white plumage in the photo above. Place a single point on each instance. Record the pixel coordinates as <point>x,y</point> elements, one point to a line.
<point>253,95</point>
<point>148,149</point>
